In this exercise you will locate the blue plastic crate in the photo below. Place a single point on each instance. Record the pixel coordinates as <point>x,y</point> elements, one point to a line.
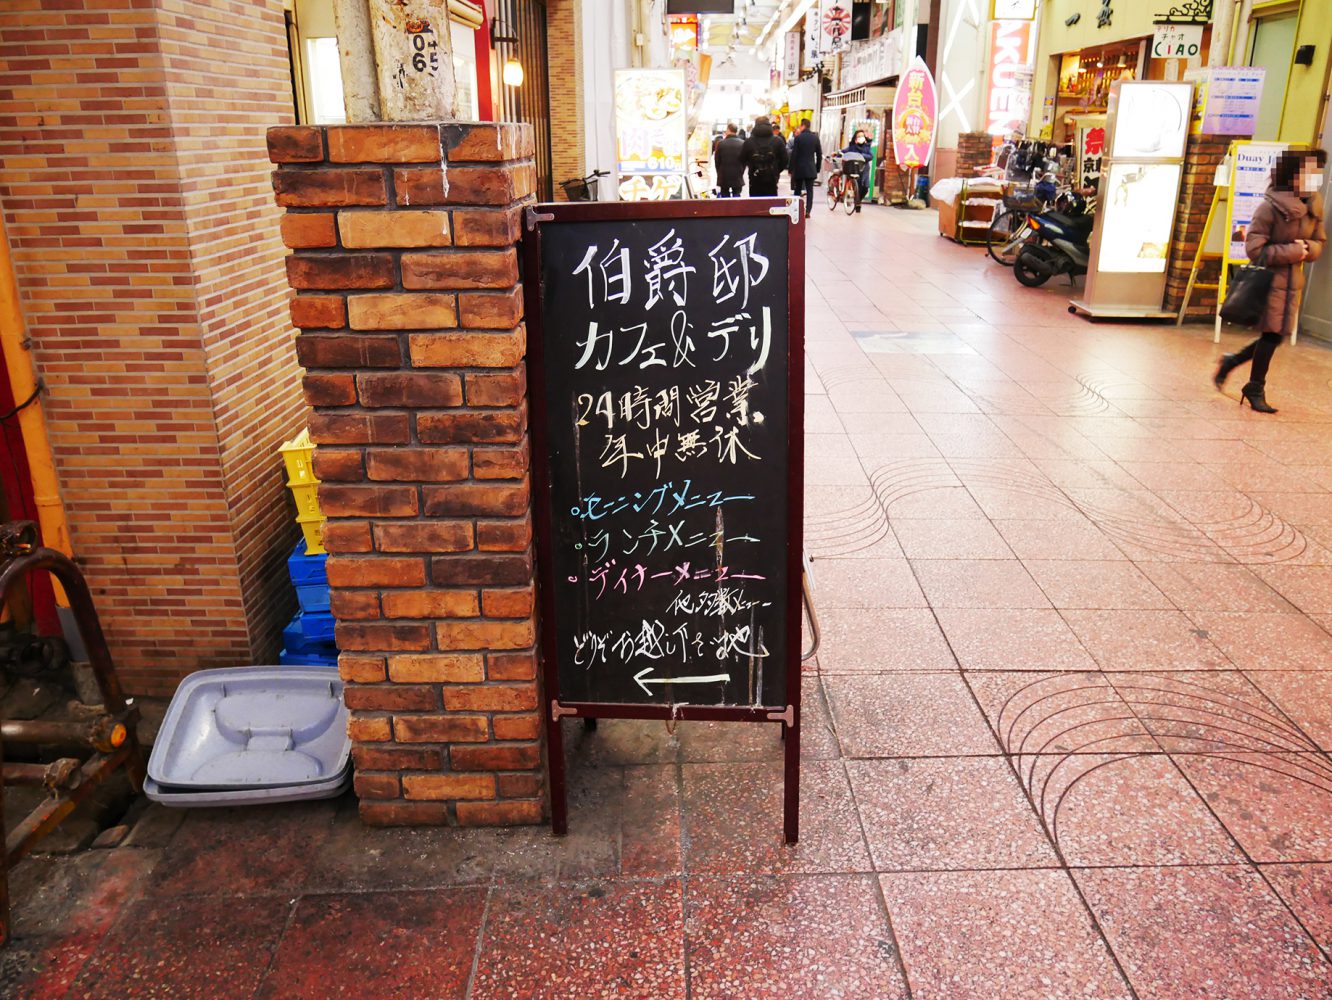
<point>314,597</point>
<point>290,658</point>
<point>307,570</point>
<point>308,629</point>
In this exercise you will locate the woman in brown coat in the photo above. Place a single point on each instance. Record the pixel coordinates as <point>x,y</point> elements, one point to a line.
<point>1287,230</point>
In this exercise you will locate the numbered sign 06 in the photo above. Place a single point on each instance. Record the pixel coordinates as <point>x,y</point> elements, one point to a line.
<point>666,342</point>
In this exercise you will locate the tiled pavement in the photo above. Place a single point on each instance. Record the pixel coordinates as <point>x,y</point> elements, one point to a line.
<point>1067,734</point>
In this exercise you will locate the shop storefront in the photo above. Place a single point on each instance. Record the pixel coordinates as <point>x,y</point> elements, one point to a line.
<point>1085,48</point>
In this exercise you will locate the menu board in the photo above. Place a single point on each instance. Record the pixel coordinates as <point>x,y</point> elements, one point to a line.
<point>650,134</point>
<point>670,458</point>
<point>1138,216</point>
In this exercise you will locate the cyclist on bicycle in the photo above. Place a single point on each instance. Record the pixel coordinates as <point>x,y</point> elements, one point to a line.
<point>859,150</point>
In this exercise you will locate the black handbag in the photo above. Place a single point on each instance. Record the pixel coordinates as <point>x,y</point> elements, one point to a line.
<point>1246,297</point>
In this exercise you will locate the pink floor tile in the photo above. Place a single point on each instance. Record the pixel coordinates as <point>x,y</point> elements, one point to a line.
<point>1262,641</point>
<point>1145,640</point>
<point>1203,933</point>
<point>960,538</point>
<point>1214,587</point>
<point>556,941</point>
<point>897,639</point>
<point>806,936</point>
<point>1309,588</point>
<point>1305,698</point>
<point>1010,934</point>
<point>1123,809</point>
<point>866,583</point>
<point>1209,711</point>
<point>952,814</point>
<point>1278,806</point>
<point>1101,585</point>
<point>733,820</point>
<point>1307,890</point>
<point>1059,713</point>
<point>1013,639</point>
<point>370,944</point>
<point>1058,539</point>
<point>907,715</point>
<point>978,583</point>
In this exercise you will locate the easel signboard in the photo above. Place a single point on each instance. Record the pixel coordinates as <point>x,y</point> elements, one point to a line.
<point>666,346</point>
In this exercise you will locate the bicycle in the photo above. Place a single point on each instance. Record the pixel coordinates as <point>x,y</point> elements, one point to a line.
<point>1011,227</point>
<point>844,177</point>
<point>583,188</point>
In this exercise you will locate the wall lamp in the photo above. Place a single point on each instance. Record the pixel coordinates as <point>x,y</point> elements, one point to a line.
<point>512,71</point>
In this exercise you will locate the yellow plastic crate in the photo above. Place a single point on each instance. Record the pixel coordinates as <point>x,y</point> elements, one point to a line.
<point>306,496</point>
<point>313,529</point>
<point>297,454</point>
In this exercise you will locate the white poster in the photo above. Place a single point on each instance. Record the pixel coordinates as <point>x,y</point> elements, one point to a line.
<point>1249,179</point>
<point>1152,120</point>
<point>1137,217</point>
<point>1233,95</point>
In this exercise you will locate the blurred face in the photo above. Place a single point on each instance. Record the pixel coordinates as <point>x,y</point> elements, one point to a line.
<point>1310,180</point>
<point>860,138</point>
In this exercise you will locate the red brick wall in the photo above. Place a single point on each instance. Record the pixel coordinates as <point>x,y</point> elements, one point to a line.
<point>130,135</point>
<point>1201,158</point>
<point>412,337</point>
<point>566,91</point>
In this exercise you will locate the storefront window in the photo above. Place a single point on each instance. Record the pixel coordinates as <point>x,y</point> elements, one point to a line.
<point>324,78</point>
<point>464,70</point>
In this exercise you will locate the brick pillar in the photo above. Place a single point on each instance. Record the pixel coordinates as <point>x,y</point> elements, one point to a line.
<point>1201,158</point>
<point>974,150</point>
<point>410,315</point>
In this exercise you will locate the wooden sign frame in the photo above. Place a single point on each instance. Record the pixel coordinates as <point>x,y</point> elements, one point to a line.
<point>554,709</point>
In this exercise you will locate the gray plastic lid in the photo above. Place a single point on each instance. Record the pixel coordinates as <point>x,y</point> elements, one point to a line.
<point>253,727</point>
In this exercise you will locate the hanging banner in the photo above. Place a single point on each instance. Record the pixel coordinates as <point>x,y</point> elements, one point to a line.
<point>813,40</point>
<point>915,111</point>
<point>1090,132</point>
<point>834,26</point>
<point>791,59</point>
<point>1008,103</point>
<point>650,134</point>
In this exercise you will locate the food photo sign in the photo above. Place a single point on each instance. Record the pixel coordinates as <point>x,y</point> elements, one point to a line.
<point>651,135</point>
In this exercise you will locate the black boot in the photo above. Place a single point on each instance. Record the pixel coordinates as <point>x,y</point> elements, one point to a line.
<point>1253,392</point>
<point>1229,362</point>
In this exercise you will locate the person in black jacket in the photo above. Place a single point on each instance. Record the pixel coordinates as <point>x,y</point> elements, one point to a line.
<point>806,161</point>
<point>730,171</point>
<point>764,155</point>
<point>860,145</point>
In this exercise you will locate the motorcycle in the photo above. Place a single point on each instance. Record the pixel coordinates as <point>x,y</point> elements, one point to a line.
<point>1059,244</point>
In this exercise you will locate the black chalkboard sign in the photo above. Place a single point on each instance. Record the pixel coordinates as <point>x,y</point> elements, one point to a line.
<point>666,351</point>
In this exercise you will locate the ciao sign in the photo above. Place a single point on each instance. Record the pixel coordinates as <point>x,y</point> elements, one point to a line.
<point>1177,41</point>
<point>667,406</point>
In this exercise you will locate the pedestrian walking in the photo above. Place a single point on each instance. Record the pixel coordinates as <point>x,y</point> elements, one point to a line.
<point>859,146</point>
<point>730,170</point>
<point>806,161</point>
<point>1286,232</point>
<point>764,155</point>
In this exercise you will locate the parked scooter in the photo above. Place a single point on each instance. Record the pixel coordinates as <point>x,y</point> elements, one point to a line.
<point>1059,244</point>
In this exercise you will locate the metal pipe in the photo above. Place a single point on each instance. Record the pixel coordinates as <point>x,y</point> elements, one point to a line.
<point>103,733</point>
<point>23,382</point>
<point>60,774</point>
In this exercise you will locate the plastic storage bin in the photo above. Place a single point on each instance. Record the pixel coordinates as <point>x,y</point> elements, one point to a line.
<point>306,568</point>
<point>297,454</point>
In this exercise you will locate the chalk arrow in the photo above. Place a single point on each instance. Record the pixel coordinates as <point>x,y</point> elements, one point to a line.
<point>643,680</point>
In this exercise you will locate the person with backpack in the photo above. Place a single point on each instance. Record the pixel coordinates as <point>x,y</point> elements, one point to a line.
<point>806,160</point>
<point>764,155</point>
<point>730,171</point>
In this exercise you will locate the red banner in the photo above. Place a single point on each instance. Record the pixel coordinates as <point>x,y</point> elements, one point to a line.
<point>1008,103</point>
